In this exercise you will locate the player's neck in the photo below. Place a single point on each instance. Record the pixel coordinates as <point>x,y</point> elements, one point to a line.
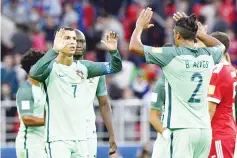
<point>224,61</point>
<point>64,59</point>
<point>187,43</point>
<point>78,57</point>
<point>32,81</point>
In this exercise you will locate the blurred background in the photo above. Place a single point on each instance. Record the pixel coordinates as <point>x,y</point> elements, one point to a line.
<point>31,24</point>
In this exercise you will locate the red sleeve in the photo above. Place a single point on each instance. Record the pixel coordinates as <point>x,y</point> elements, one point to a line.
<point>214,90</point>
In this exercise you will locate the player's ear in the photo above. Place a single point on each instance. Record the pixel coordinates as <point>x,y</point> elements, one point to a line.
<point>178,36</point>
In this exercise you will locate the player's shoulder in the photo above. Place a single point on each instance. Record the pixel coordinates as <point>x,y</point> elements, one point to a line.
<point>217,69</point>
<point>24,90</point>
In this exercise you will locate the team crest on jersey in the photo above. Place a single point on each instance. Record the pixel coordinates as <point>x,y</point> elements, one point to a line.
<point>80,74</point>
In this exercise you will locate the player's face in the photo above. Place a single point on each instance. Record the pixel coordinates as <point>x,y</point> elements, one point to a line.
<point>81,44</point>
<point>70,39</point>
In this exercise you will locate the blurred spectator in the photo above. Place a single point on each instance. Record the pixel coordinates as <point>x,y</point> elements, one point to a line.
<point>8,74</point>
<point>21,35</point>
<point>37,37</point>
<point>52,8</point>
<point>49,29</point>
<point>8,29</point>
<point>15,11</point>
<point>70,17</point>
<point>139,85</point>
<point>34,16</point>
<point>20,73</point>
<point>6,92</point>
<point>219,25</point>
<point>10,111</point>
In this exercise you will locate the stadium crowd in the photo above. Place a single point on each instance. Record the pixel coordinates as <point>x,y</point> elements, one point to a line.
<point>32,24</point>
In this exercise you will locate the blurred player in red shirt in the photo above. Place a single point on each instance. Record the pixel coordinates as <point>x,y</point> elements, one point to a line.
<point>221,97</point>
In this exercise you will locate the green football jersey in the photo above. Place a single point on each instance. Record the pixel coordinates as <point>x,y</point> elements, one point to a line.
<point>158,95</point>
<point>67,95</point>
<point>30,101</point>
<point>96,88</point>
<point>187,72</point>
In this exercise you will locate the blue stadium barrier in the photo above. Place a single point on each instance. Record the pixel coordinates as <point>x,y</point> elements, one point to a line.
<point>125,152</point>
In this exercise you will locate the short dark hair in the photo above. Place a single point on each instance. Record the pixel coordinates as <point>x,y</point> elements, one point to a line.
<point>223,38</point>
<point>65,28</point>
<point>187,27</point>
<point>30,58</point>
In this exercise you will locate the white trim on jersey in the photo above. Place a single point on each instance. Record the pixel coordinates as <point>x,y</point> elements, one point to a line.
<point>219,151</point>
<point>215,100</point>
<point>235,153</point>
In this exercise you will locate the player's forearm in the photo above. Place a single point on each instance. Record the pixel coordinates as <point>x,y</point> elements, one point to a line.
<point>208,40</point>
<point>106,113</point>
<point>212,109</point>
<point>37,71</point>
<point>32,121</point>
<point>155,121</point>
<point>115,63</point>
<point>136,45</point>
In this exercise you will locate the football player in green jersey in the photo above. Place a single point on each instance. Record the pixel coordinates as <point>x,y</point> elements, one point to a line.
<point>30,101</point>
<point>97,87</point>
<point>66,113</point>
<point>187,71</point>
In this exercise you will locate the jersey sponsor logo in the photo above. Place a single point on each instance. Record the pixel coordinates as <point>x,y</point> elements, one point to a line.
<point>80,74</point>
<point>25,105</point>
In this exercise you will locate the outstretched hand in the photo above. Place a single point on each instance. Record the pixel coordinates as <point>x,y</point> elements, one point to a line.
<point>179,15</point>
<point>111,41</point>
<point>59,42</point>
<point>144,19</point>
<point>113,146</point>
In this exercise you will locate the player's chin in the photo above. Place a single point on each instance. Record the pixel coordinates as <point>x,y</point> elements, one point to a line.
<point>79,53</point>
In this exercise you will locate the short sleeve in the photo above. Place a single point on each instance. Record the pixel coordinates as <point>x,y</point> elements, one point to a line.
<point>159,55</point>
<point>158,95</point>
<point>214,89</point>
<point>216,53</point>
<point>25,107</point>
<point>101,88</point>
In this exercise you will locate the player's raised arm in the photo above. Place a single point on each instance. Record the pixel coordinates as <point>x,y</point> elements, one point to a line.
<point>41,70</point>
<point>104,68</point>
<point>143,22</point>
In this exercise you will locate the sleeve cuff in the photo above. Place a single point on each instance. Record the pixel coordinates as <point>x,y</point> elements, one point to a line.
<point>101,94</point>
<point>146,50</point>
<point>152,107</point>
<point>214,100</point>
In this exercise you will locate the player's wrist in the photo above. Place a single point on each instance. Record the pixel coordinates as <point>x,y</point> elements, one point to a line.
<point>112,52</point>
<point>166,133</point>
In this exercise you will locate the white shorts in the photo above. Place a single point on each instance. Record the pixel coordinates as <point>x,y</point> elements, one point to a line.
<point>67,149</point>
<point>31,153</point>
<point>30,149</point>
<point>92,147</point>
<point>161,147</point>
